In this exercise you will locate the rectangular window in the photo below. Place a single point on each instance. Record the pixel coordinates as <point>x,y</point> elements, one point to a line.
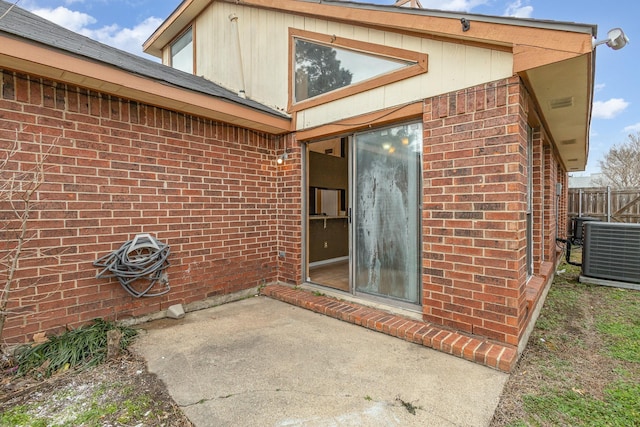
<point>182,52</point>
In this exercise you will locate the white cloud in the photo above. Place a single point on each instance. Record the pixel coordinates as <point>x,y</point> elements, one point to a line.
<point>632,128</point>
<point>599,86</point>
<point>609,109</point>
<point>517,10</point>
<point>127,39</point>
<point>453,5</point>
<point>66,18</point>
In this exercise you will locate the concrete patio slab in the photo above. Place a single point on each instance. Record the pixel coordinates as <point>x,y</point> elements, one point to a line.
<point>262,362</point>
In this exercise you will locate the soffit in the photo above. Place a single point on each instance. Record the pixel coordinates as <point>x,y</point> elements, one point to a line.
<point>563,93</point>
<point>184,14</point>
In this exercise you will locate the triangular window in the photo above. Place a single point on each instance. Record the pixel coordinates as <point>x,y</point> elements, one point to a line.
<point>323,65</point>
<point>320,68</point>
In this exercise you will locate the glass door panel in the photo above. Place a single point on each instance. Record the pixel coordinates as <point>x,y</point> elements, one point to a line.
<point>386,214</point>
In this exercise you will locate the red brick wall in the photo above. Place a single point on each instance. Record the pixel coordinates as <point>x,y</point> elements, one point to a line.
<point>118,168</point>
<point>289,187</point>
<point>539,195</point>
<point>474,228</point>
<point>551,205</point>
<point>233,218</point>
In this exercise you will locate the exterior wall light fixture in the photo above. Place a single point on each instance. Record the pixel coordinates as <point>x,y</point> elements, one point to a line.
<point>284,156</point>
<point>616,39</point>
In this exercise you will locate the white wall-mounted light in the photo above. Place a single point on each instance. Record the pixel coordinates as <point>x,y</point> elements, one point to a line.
<point>616,39</point>
<point>284,156</point>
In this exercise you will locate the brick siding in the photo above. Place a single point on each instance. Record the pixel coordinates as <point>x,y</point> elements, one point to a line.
<point>290,245</point>
<point>234,220</point>
<point>117,168</point>
<point>474,224</point>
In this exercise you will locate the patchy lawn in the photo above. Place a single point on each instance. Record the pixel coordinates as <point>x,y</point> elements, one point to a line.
<point>62,381</point>
<point>582,364</point>
<point>117,393</point>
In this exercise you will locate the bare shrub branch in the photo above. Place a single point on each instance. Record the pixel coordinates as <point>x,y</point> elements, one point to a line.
<point>19,193</point>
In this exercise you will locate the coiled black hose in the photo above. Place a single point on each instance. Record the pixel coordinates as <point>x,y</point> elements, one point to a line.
<point>143,257</point>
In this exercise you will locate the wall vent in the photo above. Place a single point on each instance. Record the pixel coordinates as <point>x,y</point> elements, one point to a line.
<point>611,251</point>
<point>561,103</point>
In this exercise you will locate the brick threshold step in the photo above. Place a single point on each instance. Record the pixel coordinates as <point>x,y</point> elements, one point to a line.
<point>494,355</point>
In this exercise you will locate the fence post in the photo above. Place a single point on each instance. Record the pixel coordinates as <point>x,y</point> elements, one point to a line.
<point>580,202</point>
<point>608,203</point>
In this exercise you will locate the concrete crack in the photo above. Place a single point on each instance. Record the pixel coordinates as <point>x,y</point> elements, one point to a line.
<point>277,390</point>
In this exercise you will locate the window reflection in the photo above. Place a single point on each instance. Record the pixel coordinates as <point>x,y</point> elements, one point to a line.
<point>320,69</point>
<point>182,52</point>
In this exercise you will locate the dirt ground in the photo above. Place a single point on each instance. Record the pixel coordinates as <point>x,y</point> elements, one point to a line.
<point>137,397</point>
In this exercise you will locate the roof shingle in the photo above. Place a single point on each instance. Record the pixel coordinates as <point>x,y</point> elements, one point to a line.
<point>26,25</point>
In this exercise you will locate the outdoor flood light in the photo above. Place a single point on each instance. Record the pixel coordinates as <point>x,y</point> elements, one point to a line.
<point>616,39</point>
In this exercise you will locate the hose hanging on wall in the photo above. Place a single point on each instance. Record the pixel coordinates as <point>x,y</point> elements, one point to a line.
<point>143,257</point>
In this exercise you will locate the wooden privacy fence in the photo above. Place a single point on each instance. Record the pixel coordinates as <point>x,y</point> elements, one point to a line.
<point>606,204</point>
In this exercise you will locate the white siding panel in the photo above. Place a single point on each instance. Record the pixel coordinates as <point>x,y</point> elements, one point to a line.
<point>411,43</point>
<point>372,100</point>
<point>310,24</point>
<point>361,33</point>
<point>399,92</point>
<point>252,37</point>
<point>451,67</point>
<point>477,67</point>
<point>436,72</point>
<point>393,39</point>
<point>298,22</point>
<point>265,56</point>
<point>501,64</point>
<point>376,36</point>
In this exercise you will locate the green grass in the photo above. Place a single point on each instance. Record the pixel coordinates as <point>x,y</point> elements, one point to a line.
<point>623,340</point>
<point>620,407</point>
<point>19,416</point>
<point>563,298</point>
<point>620,325</point>
<point>82,347</point>
<point>584,319</point>
<point>79,348</point>
<point>90,410</point>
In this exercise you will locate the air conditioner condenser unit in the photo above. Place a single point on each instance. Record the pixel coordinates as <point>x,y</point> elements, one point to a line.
<point>611,252</point>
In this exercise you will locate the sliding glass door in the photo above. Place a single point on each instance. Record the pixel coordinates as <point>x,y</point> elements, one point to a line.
<point>386,212</point>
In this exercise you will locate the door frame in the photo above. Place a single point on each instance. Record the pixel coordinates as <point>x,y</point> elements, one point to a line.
<point>351,150</point>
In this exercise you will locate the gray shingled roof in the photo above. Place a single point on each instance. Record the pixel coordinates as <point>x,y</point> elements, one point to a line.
<point>506,20</point>
<point>20,23</point>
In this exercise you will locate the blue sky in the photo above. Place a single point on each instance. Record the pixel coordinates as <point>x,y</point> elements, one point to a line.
<point>126,24</point>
